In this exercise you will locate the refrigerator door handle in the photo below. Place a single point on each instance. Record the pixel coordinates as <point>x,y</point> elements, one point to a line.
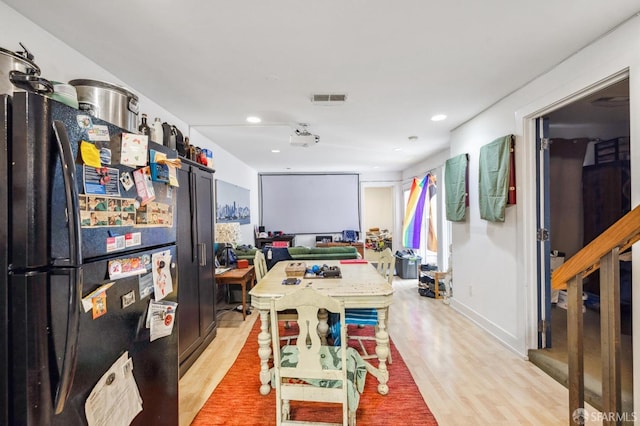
<point>203,254</point>
<point>71,342</point>
<point>70,190</point>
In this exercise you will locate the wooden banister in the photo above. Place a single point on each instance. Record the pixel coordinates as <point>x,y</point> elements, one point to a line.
<point>621,234</point>
<point>601,253</point>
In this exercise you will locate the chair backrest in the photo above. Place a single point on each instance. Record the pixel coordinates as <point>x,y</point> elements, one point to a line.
<point>260,265</point>
<point>305,364</point>
<point>386,265</point>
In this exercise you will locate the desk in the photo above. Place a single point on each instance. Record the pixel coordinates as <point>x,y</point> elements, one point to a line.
<point>241,276</point>
<point>361,286</point>
<point>358,245</point>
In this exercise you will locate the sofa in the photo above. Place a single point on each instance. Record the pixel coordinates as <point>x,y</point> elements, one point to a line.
<point>306,253</point>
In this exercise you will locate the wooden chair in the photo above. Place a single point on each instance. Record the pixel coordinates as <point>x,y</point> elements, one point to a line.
<point>386,264</point>
<point>260,265</point>
<point>309,371</point>
<point>362,317</point>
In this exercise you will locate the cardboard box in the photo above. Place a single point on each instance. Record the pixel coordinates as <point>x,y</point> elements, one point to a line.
<point>295,269</point>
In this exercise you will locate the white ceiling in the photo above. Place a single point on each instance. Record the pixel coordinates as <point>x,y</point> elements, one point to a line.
<point>213,63</point>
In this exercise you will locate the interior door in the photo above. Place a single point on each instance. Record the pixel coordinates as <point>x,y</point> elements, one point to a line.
<point>543,226</point>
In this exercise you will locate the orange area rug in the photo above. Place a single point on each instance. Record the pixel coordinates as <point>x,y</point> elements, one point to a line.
<point>237,400</point>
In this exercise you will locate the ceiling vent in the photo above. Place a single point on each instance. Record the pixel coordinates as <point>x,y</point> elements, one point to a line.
<point>329,98</point>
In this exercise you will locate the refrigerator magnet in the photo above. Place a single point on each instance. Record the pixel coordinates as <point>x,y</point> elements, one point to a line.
<point>128,299</point>
<point>145,285</point>
<point>84,121</point>
<point>99,305</point>
<point>126,181</point>
<point>99,132</point>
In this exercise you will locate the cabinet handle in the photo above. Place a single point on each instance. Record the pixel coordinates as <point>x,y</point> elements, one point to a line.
<point>203,254</point>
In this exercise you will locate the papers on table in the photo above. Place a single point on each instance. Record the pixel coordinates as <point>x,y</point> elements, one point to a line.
<point>115,399</point>
<point>221,270</point>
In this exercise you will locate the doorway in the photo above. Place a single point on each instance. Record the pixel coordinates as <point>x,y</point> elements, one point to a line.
<point>585,187</point>
<point>378,220</point>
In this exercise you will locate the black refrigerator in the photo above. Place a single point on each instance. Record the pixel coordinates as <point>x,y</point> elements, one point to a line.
<point>56,348</point>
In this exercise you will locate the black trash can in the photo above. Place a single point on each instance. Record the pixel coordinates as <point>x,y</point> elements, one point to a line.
<point>407,264</point>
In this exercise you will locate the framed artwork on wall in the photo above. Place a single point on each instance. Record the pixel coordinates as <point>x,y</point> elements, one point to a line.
<point>232,203</point>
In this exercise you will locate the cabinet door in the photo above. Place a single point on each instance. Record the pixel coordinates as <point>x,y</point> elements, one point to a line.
<point>204,188</point>
<point>188,292</point>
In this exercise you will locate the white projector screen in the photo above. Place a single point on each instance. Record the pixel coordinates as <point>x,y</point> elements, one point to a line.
<point>310,203</point>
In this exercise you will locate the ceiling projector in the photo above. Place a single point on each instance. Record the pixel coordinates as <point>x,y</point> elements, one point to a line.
<point>303,138</point>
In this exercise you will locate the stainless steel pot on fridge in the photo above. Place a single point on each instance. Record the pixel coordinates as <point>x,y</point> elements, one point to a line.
<point>108,102</point>
<point>19,72</point>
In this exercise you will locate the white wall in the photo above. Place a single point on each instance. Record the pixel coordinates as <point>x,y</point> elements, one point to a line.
<point>494,265</point>
<point>378,208</point>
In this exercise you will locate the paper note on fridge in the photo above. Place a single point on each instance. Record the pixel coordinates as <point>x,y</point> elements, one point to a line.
<point>115,399</point>
<point>90,154</point>
<point>87,301</point>
<point>144,185</point>
<point>160,318</point>
<point>133,150</point>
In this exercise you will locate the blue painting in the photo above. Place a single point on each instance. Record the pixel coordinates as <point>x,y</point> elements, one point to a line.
<point>232,203</point>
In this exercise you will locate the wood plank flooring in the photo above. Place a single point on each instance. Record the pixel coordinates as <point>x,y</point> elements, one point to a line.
<point>464,374</point>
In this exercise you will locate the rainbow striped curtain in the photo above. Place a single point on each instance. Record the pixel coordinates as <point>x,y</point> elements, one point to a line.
<point>414,212</point>
<point>432,239</point>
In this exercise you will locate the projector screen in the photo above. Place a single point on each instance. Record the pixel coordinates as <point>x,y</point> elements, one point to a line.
<point>310,203</point>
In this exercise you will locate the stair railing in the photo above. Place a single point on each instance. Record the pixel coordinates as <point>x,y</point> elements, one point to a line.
<point>602,253</point>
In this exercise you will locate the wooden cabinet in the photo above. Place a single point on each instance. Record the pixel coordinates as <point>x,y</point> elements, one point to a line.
<point>606,194</point>
<point>261,242</point>
<point>195,238</point>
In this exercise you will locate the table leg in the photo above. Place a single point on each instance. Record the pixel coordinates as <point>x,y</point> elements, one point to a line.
<point>243,285</point>
<point>264,352</point>
<point>382,350</point>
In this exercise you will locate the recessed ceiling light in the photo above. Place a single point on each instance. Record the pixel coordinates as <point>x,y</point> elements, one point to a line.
<point>438,117</point>
<point>397,149</point>
<point>253,119</point>
<point>275,151</point>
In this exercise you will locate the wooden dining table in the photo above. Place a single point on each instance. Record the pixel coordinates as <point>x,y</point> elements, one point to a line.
<point>360,286</point>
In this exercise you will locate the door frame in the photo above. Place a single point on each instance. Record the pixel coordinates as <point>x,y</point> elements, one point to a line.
<point>543,227</point>
<point>531,178</point>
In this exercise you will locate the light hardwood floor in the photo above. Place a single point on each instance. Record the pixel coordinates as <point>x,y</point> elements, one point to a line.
<point>465,375</point>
